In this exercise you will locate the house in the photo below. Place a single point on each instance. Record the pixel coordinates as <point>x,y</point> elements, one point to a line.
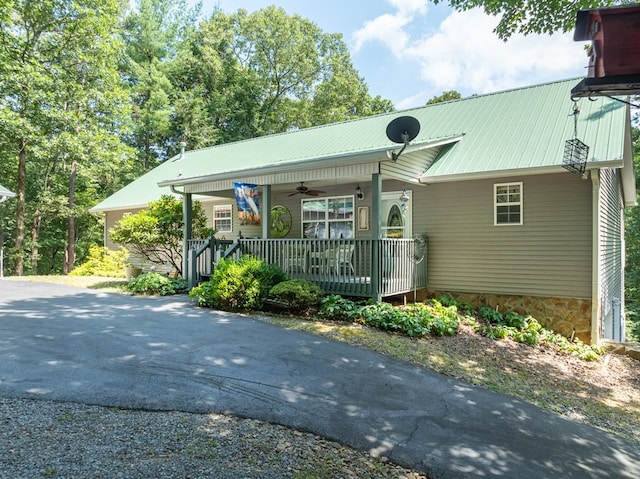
<point>5,193</point>
<point>488,202</point>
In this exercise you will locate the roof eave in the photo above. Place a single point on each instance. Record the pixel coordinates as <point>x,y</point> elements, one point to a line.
<point>373,155</point>
<point>516,172</point>
<point>337,160</point>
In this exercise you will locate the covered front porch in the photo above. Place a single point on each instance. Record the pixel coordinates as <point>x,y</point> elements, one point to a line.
<point>351,226</point>
<point>373,268</point>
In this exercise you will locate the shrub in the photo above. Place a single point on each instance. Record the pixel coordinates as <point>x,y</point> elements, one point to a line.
<point>102,262</point>
<point>156,284</point>
<point>155,232</point>
<point>297,295</point>
<point>241,284</point>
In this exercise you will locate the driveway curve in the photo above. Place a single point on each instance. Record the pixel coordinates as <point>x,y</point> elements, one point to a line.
<point>80,345</point>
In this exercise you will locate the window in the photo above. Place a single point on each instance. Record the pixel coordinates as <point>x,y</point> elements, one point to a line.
<point>508,203</point>
<point>328,217</point>
<point>222,218</point>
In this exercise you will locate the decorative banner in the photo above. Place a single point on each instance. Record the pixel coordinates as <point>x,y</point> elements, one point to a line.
<point>248,201</point>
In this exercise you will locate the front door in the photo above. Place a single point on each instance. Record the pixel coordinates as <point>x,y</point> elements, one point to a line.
<point>395,214</point>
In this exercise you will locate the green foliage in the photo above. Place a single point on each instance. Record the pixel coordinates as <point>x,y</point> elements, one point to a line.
<point>62,110</point>
<point>336,308</point>
<point>529,331</point>
<point>156,284</point>
<point>239,284</point>
<point>447,301</point>
<point>414,320</point>
<point>156,232</point>
<point>490,315</point>
<point>446,96</point>
<point>243,75</point>
<point>153,32</point>
<point>297,295</point>
<point>103,262</point>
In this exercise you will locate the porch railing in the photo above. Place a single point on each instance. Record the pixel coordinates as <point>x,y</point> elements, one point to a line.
<point>351,267</point>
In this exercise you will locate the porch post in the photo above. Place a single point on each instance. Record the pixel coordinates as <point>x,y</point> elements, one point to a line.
<point>376,234</point>
<point>187,231</point>
<point>266,211</point>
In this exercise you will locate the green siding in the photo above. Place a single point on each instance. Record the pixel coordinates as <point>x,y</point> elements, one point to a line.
<point>610,267</point>
<point>549,255</point>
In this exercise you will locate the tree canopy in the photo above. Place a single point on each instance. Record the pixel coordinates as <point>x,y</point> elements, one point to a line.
<point>446,96</point>
<point>95,93</point>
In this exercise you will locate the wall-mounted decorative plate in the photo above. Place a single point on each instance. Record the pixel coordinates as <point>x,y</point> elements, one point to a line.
<point>280,221</point>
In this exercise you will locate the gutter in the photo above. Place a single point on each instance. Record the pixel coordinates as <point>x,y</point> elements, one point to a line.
<point>483,175</point>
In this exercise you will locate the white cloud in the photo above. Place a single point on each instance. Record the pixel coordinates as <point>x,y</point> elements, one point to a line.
<point>388,28</point>
<point>465,54</point>
<point>410,7</point>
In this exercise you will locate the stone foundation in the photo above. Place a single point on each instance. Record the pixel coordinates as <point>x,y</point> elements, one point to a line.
<point>570,317</point>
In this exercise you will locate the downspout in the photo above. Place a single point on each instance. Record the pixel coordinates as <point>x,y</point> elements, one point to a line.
<point>596,310</point>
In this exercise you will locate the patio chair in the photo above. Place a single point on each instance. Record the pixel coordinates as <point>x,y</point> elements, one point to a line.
<point>341,258</point>
<point>295,258</point>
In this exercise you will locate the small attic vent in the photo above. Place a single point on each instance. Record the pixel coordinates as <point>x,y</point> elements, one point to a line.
<point>575,151</point>
<point>575,156</point>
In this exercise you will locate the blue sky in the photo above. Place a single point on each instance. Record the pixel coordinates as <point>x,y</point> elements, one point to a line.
<point>411,50</point>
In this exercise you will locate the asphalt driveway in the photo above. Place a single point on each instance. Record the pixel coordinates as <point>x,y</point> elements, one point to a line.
<point>80,345</point>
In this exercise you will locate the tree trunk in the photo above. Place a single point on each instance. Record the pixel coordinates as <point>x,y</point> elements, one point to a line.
<point>70,253</point>
<point>18,266</point>
<point>35,236</point>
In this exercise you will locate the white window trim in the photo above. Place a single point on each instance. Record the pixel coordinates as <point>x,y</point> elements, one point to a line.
<point>326,220</point>
<point>230,207</point>
<point>519,203</point>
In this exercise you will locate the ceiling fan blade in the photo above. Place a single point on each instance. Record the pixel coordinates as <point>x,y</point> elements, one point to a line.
<point>315,192</point>
<point>294,193</point>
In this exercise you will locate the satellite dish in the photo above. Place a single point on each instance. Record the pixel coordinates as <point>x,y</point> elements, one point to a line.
<point>402,130</point>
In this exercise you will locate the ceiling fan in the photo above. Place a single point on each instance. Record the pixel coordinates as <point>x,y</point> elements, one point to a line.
<point>303,190</point>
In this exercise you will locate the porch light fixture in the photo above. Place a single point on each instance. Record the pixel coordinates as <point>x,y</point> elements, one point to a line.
<point>402,130</point>
<point>359,193</point>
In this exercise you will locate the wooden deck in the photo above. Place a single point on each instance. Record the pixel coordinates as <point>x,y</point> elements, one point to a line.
<point>350,267</point>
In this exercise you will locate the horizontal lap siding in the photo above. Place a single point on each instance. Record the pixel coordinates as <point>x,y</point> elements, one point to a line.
<point>611,260</point>
<point>549,255</point>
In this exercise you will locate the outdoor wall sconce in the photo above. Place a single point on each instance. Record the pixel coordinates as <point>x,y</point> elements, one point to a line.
<point>359,193</point>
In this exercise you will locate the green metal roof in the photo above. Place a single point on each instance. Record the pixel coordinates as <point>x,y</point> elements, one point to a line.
<point>498,133</point>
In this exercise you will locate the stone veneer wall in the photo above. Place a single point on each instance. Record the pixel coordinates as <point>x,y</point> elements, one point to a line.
<point>566,316</point>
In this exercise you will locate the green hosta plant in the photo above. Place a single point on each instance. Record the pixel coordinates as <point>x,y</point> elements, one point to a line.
<point>336,308</point>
